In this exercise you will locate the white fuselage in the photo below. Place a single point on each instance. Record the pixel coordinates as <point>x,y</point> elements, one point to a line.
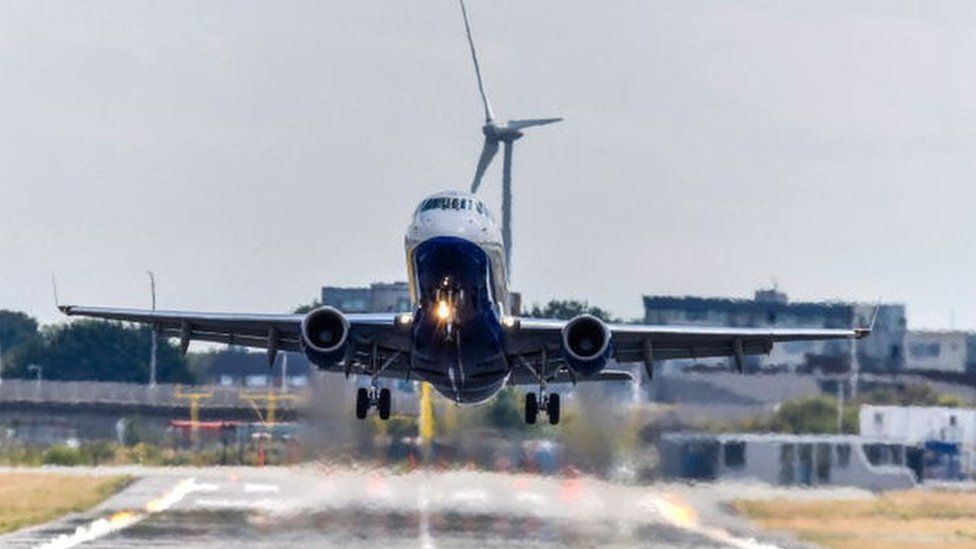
<point>456,265</point>
<point>455,214</point>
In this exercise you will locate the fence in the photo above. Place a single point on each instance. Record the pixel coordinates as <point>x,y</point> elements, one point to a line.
<point>20,391</point>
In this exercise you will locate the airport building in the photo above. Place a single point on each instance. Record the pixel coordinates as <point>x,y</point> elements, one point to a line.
<point>941,351</point>
<point>378,297</point>
<point>948,435</point>
<point>882,352</point>
<point>245,369</point>
<point>792,460</point>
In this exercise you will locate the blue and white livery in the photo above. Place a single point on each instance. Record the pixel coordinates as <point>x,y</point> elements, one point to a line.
<point>461,336</point>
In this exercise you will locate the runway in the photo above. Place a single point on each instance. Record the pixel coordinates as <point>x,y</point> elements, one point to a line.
<point>316,506</point>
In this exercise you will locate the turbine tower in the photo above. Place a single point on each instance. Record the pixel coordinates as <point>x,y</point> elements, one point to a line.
<point>495,133</point>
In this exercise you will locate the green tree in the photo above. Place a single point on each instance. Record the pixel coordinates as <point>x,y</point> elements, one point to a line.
<point>566,309</point>
<point>913,394</point>
<point>816,414</point>
<point>102,351</point>
<point>18,336</point>
<point>16,328</point>
<point>307,308</point>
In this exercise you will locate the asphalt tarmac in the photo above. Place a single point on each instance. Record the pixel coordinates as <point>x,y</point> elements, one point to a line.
<point>315,506</point>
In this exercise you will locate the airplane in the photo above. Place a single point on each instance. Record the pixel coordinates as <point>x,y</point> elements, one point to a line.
<point>462,337</point>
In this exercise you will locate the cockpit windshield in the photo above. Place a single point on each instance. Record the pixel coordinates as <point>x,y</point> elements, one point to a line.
<point>454,203</point>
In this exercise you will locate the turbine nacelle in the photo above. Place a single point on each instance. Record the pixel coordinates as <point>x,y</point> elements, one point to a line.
<point>587,344</point>
<point>325,335</point>
<point>495,134</point>
<point>500,133</point>
<point>512,130</point>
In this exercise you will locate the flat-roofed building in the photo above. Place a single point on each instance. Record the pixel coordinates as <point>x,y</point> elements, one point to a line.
<point>883,351</point>
<point>379,297</point>
<point>940,351</point>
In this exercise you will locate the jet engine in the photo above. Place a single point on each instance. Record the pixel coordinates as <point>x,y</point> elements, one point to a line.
<point>587,344</point>
<point>325,332</point>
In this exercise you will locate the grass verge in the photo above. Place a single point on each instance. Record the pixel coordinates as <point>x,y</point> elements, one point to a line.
<point>911,518</point>
<point>32,498</point>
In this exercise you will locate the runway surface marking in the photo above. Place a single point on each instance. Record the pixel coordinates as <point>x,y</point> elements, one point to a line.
<point>206,505</point>
<point>123,519</point>
<point>676,512</point>
<point>255,488</point>
<point>423,505</point>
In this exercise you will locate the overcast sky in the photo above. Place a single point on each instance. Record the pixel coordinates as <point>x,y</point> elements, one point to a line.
<point>250,152</point>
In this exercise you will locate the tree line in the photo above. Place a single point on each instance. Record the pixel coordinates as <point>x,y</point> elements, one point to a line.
<point>88,350</point>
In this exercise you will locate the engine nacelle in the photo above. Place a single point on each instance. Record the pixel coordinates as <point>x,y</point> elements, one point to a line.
<point>587,344</point>
<point>325,333</point>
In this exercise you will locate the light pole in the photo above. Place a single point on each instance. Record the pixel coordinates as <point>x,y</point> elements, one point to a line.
<point>840,404</point>
<point>152,356</point>
<point>284,372</point>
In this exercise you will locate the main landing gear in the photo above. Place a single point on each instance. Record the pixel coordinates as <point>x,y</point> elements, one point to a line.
<point>543,400</point>
<point>367,398</point>
<point>549,404</point>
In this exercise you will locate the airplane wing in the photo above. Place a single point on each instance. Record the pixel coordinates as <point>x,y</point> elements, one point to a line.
<point>376,335</point>
<point>649,343</point>
<point>272,332</point>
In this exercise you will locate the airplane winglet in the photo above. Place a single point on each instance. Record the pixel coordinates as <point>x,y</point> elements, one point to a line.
<point>860,333</point>
<point>66,309</point>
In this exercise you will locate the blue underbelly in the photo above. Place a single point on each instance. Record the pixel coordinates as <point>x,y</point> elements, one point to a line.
<point>463,359</point>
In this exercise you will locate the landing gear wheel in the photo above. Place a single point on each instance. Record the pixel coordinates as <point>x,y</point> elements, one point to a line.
<point>384,404</point>
<point>531,408</point>
<point>552,409</point>
<point>362,403</point>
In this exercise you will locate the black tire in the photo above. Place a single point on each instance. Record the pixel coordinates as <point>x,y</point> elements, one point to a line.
<point>531,408</point>
<point>552,409</point>
<point>384,404</point>
<point>362,403</point>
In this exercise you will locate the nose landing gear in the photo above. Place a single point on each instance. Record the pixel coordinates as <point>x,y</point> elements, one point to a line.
<point>367,398</point>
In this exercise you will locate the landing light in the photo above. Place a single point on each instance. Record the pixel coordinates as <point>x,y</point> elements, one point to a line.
<point>405,319</point>
<point>509,322</point>
<point>443,310</point>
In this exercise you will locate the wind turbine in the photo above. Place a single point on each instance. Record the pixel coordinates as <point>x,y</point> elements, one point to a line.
<point>494,134</point>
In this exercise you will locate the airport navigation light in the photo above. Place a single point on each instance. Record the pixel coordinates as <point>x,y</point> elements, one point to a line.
<point>495,133</point>
<point>271,404</point>
<point>194,398</point>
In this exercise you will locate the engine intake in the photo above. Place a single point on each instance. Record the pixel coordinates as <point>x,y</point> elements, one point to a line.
<point>325,333</point>
<point>587,344</point>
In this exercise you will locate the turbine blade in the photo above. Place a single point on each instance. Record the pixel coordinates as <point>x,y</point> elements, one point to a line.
<point>520,124</point>
<point>489,116</point>
<point>487,154</point>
